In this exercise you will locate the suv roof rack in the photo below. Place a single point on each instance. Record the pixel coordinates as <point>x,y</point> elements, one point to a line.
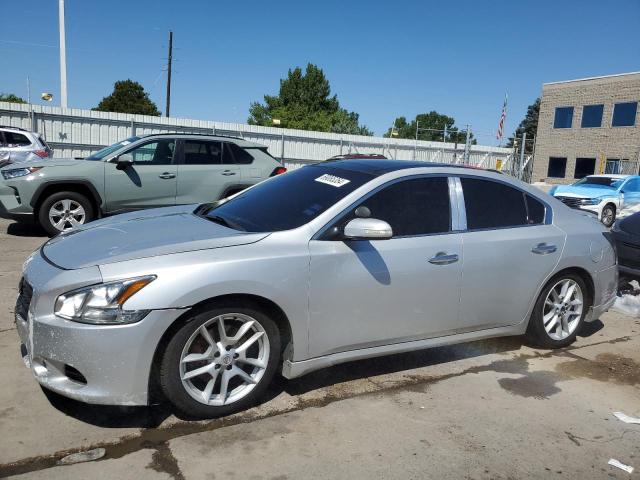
<point>14,128</point>
<point>188,133</point>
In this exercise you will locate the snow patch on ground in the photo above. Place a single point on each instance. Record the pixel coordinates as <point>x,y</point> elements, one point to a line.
<point>629,300</point>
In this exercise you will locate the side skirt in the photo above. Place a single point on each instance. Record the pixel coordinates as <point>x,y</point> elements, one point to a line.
<point>297,369</point>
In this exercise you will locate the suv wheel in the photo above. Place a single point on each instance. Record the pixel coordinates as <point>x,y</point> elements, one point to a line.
<point>63,211</point>
<point>608,215</point>
<point>559,312</point>
<point>220,361</point>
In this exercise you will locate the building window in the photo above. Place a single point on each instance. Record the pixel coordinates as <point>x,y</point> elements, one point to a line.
<point>592,116</point>
<point>557,167</point>
<point>584,167</point>
<point>624,114</point>
<point>564,117</point>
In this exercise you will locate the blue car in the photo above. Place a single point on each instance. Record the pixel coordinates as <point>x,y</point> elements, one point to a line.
<point>604,195</point>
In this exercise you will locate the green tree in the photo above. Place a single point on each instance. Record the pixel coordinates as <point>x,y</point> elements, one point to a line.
<point>430,128</point>
<point>305,102</point>
<point>529,126</point>
<point>10,97</point>
<point>128,97</point>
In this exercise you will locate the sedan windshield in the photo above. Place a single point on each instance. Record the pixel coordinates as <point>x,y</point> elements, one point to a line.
<point>605,182</point>
<point>100,154</point>
<point>287,201</point>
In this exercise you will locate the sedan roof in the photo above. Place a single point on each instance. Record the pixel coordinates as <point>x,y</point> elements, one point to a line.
<point>379,167</point>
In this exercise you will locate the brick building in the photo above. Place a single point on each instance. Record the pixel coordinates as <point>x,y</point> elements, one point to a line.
<point>588,126</point>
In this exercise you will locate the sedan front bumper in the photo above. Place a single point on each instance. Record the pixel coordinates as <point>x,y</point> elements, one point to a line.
<point>94,364</point>
<point>103,364</point>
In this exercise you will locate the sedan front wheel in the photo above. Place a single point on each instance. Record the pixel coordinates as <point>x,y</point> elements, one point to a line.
<point>221,361</point>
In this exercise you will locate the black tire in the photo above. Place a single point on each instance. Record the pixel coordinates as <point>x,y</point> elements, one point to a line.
<point>169,374</point>
<point>43,211</point>
<point>608,216</point>
<point>536,334</point>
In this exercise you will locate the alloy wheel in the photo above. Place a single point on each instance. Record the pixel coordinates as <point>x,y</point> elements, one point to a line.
<point>224,359</point>
<point>66,214</point>
<point>607,216</point>
<point>562,309</point>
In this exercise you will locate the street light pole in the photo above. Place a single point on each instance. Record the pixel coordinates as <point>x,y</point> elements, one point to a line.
<point>63,56</point>
<point>169,62</point>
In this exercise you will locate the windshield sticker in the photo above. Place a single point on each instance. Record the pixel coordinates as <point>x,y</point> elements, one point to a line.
<point>332,180</point>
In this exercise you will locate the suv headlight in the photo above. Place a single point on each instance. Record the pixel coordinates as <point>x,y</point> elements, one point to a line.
<point>19,172</point>
<point>590,201</point>
<point>102,304</point>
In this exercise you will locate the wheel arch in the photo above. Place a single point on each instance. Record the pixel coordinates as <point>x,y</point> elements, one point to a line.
<point>82,187</point>
<point>576,270</point>
<point>265,305</point>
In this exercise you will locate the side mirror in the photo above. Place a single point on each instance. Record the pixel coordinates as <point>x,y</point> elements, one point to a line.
<point>368,229</point>
<point>124,161</point>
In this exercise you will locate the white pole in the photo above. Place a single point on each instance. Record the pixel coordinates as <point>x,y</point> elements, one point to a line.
<point>63,57</point>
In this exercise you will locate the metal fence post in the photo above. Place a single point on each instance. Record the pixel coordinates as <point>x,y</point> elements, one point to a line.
<point>465,158</point>
<point>522,148</point>
<point>133,128</point>
<point>282,148</point>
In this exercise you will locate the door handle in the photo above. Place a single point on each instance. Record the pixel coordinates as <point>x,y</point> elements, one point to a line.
<point>544,249</point>
<point>167,175</point>
<point>228,172</point>
<point>441,258</point>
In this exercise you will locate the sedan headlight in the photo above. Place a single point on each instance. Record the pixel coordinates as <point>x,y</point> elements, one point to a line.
<point>19,172</point>
<point>102,304</point>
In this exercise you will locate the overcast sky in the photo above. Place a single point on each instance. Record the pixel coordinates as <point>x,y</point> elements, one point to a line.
<point>383,59</point>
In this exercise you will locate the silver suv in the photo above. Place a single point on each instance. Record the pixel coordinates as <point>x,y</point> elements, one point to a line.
<point>339,261</point>
<point>19,145</point>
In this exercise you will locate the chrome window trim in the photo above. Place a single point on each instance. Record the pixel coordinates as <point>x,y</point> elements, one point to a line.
<point>458,209</point>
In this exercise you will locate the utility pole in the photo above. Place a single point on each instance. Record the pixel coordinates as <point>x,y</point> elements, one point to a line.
<point>169,60</point>
<point>63,56</point>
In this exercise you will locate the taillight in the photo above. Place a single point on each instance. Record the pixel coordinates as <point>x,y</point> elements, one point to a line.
<point>41,153</point>
<point>278,171</point>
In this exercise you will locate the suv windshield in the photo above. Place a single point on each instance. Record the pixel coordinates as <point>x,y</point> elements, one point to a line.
<point>606,182</point>
<point>287,201</point>
<point>100,154</point>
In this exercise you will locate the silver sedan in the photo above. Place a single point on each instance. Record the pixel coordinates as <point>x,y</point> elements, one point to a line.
<point>343,260</point>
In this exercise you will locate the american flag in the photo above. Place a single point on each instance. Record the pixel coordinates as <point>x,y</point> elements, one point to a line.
<point>502,118</point>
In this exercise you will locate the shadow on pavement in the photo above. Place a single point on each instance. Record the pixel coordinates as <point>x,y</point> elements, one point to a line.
<point>18,229</point>
<point>109,416</point>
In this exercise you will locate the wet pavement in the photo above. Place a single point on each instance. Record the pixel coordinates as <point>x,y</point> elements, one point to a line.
<point>489,409</point>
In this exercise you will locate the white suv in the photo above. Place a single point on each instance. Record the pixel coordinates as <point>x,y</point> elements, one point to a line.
<point>19,145</point>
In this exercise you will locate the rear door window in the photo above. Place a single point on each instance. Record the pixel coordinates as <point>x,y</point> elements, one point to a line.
<point>535,210</point>
<point>492,204</point>
<point>201,152</point>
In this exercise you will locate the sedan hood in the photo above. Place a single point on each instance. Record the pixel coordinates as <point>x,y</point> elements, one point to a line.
<point>584,192</point>
<point>160,231</point>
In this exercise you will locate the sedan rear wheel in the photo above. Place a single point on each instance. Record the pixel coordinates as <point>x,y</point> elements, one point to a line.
<point>559,312</point>
<point>220,361</point>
